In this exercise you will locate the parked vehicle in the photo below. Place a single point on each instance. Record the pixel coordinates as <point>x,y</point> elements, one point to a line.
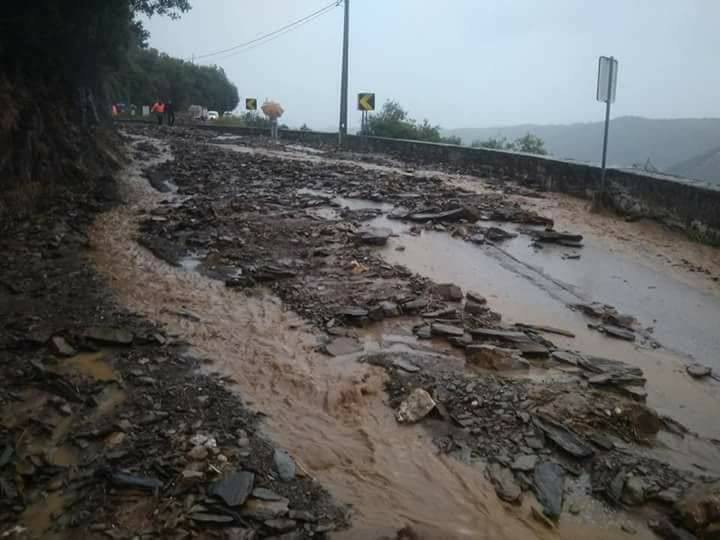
<point>198,113</point>
<point>228,114</point>
<point>213,115</point>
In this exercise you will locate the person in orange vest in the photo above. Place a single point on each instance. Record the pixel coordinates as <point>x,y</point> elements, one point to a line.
<point>159,109</point>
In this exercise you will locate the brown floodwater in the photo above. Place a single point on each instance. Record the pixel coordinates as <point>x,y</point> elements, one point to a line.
<point>330,412</point>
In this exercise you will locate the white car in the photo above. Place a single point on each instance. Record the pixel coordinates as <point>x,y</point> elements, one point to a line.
<point>213,115</point>
<point>228,114</point>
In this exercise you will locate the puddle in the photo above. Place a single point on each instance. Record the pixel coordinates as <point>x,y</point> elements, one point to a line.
<point>89,364</point>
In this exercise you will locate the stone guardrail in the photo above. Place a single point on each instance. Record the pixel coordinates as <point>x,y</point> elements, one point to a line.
<point>691,206</point>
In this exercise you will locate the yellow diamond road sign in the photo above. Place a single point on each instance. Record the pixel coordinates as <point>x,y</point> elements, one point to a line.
<point>251,104</point>
<point>366,101</point>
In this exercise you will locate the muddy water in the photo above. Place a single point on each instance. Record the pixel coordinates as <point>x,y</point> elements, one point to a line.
<point>525,295</point>
<point>328,412</point>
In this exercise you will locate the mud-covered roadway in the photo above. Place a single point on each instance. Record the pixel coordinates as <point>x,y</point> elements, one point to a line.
<point>412,338</point>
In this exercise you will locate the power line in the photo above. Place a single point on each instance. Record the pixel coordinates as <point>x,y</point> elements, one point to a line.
<point>276,33</point>
<point>268,39</point>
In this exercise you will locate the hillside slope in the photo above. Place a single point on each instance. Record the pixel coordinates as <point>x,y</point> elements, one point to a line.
<point>665,142</point>
<point>705,166</point>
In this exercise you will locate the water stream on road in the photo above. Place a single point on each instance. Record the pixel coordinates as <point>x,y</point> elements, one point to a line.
<point>329,413</point>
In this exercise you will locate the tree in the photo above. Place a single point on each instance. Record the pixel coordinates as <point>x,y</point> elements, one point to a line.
<point>530,144</point>
<point>393,121</point>
<point>500,143</point>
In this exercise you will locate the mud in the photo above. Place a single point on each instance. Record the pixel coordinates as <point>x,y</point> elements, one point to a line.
<point>108,426</point>
<point>287,220</point>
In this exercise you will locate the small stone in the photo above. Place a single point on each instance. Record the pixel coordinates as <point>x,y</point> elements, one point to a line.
<point>243,442</point>
<point>633,493</point>
<point>474,308</point>
<point>699,371</point>
<point>283,465</point>
<point>525,463</point>
<point>266,495</point>
<point>416,407</point>
<point>628,529</point>
<point>198,453</point>
<point>302,515</point>
<point>115,439</point>
<point>204,517</point>
<point>342,346</point>
<point>261,510</point>
<point>109,336</point>
<point>476,298</point>
<point>281,525</point>
<point>373,236</point>
<point>449,292</point>
<point>61,347</point>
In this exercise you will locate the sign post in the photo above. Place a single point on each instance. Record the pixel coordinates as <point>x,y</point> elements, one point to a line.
<point>366,104</point>
<point>606,89</point>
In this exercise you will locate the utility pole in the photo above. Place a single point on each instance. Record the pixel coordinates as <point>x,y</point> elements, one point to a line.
<point>342,132</point>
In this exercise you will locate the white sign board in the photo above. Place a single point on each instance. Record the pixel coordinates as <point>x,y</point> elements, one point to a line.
<point>607,79</point>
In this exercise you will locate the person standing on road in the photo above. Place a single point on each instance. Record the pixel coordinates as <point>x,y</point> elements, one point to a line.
<point>159,109</point>
<point>170,111</point>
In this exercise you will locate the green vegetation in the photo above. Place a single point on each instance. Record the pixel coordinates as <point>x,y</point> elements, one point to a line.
<point>393,121</point>
<point>530,144</point>
<point>247,119</point>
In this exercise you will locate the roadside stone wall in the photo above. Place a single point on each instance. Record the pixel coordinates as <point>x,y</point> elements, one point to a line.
<point>685,204</point>
<point>693,207</point>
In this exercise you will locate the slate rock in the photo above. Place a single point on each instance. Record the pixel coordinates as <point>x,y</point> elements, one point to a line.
<point>373,236</point>
<point>506,487</point>
<point>524,463</point>
<point>440,329</point>
<point>234,488</point>
<point>563,437</point>
<point>283,465</point>
<point>109,336</point>
<point>205,517</point>
<point>120,479</point>
<point>549,484</point>
<point>698,371</point>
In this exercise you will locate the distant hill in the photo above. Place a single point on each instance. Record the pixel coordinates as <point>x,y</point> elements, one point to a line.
<point>671,145</point>
<point>705,166</point>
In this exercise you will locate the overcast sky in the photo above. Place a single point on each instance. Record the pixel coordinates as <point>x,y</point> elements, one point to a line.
<point>465,63</point>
